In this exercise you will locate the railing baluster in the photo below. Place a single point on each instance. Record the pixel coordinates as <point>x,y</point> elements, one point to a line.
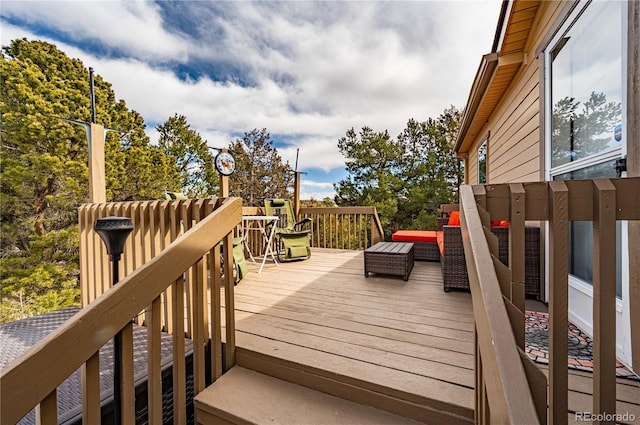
<point>129,247</point>
<point>199,288</point>
<point>324,230</point>
<point>47,410</point>
<point>127,384</point>
<point>215,322</point>
<point>91,390</point>
<point>201,323</point>
<point>604,299</point>
<point>516,257</point>
<point>558,301</point>
<point>179,372</point>
<point>154,359</point>
<point>215,313</point>
<point>105,281</point>
<point>85,263</point>
<point>186,217</point>
<point>230,322</point>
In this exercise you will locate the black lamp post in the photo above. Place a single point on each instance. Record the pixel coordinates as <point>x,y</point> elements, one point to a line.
<point>114,232</point>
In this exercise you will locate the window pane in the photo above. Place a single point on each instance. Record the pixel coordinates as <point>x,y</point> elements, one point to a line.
<point>586,85</point>
<point>581,232</point>
<point>482,163</point>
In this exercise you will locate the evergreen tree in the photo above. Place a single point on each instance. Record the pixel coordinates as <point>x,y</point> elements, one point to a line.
<point>260,172</point>
<point>44,171</point>
<point>405,179</point>
<point>373,163</point>
<point>192,157</point>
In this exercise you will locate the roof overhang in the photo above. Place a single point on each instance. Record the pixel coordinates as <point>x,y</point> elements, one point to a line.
<point>497,69</point>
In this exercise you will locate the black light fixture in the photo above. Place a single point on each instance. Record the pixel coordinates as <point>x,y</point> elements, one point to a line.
<point>114,232</point>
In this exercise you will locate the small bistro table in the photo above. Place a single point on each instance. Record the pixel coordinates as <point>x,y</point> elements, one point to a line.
<point>258,223</point>
<point>395,258</point>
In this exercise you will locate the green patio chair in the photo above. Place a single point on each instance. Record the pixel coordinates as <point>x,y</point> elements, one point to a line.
<point>239,262</point>
<point>292,242</point>
<point>174,195</point>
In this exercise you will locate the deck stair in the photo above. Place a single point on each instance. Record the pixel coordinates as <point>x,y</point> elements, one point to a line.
<point>243,396</point>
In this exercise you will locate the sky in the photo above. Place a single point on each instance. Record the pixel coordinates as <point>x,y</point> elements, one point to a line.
<point>306,71</point>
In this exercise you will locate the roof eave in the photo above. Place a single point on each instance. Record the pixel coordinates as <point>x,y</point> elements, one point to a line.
<point>486,70</point>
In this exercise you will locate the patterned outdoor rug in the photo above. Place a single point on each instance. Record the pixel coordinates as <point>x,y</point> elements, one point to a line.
<point>580,345</point>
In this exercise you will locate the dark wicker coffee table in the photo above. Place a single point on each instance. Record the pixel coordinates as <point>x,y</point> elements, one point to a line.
<point>395,258</point>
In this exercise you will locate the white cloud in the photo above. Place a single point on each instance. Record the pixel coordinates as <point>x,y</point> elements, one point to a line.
<point>134,27</point>
<point>316,190</point>
<point>316,69</point>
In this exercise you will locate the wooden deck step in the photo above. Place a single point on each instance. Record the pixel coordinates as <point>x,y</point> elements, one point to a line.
<point>412,396</point>
<point>243,396</point>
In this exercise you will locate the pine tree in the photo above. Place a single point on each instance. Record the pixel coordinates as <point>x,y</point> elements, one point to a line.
<point>43,162</point>
<point>405,179</point>
<point>191,155</point>
<point>260,172</point>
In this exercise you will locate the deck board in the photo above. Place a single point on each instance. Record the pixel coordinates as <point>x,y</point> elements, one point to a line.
<point>408,339</point>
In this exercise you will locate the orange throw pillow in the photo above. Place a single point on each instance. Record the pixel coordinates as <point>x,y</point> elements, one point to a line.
<point>454,219</point>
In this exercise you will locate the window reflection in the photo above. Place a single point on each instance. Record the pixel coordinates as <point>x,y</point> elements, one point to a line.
<point>586,85</point>
<point>482,163</point>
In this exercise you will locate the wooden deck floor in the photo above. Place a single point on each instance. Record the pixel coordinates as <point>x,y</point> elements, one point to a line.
<point>410,338</point>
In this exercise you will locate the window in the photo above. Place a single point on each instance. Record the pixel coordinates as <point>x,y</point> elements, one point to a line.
<point>586,86</point>
<point>585,77</point>
<point>482,163</point>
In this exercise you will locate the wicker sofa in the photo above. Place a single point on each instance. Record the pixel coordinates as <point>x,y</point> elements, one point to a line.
<point>454,266</point>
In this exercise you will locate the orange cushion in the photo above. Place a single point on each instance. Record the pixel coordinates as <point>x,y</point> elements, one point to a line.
<point>499,223</point>
<point>414,236</point>
<point>454,219</point>
<point>440,240</point>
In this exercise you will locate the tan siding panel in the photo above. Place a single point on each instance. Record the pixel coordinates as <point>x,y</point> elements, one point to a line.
<point>526,82</point>
<point>521,117</point>
<point>514,143</point>
<point>520,163</point>
<point>526,142</point>
<point>514,152</point>
<point>473,165</point>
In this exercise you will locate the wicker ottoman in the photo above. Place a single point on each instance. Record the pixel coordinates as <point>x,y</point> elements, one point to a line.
<point>424,243</point>
<point>395,258</point>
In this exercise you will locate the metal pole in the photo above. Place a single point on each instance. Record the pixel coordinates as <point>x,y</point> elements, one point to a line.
<point>114,232</point>
<point>92,95</point>
<point>117,358</point>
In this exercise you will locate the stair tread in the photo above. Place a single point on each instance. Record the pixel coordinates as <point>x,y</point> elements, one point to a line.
<point>245,396</point>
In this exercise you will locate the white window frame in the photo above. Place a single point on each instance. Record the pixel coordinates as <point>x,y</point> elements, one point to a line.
<point>604,156</point>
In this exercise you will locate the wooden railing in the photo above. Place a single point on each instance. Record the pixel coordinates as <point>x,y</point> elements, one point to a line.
<point>162,271</point>
<point>509,387</point>
<point>355,228</point>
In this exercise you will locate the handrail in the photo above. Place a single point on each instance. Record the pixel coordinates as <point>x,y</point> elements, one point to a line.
<point>498,292</point>
<point>506,384</point>
<point>78,339</point>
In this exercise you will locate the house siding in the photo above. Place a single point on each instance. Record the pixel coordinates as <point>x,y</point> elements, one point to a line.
<point>516,145</point>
